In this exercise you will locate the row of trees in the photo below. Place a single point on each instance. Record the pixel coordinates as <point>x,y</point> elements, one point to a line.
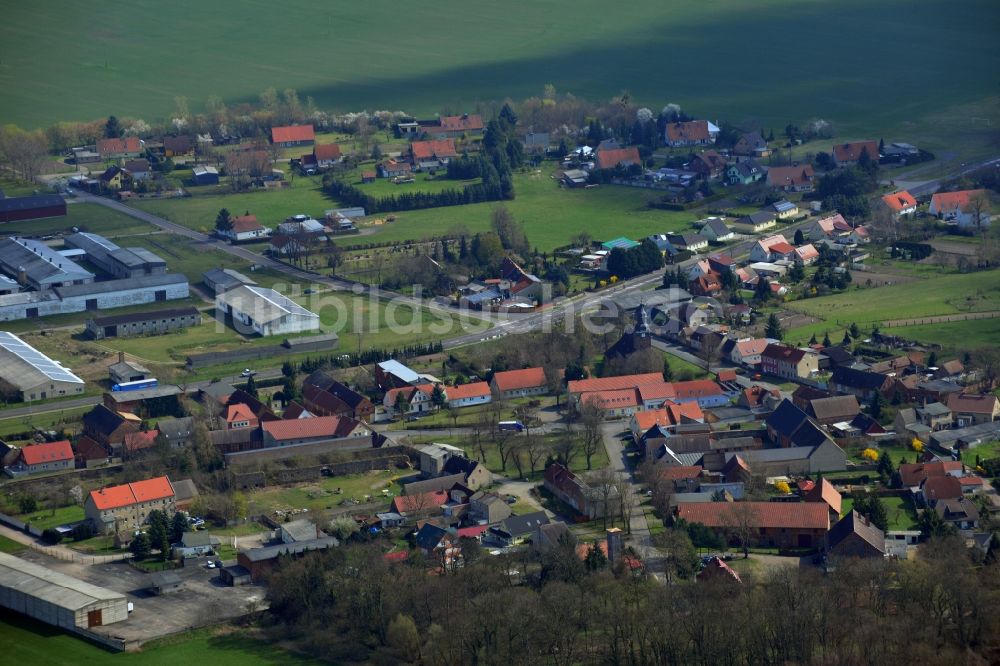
<point>349,604</point>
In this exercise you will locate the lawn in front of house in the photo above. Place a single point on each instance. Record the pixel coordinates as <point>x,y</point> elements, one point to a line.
<point>900,511</point>
<point>46,518</point>
<point>102,544</point>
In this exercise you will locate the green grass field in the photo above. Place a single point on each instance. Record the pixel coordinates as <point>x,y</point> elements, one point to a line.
<point>845,62</point>
<point>8,545</point>
<point>899,510</point>
<point>941,295</point>
<point>44,420</point>
<point>323,493</point>
<point>26,641</point>
<point>551,215</point>
<point>577,465</point>
<point>271,208</point>
<point>45,518</point>
<point>955,336</point>
<point>85,216</point>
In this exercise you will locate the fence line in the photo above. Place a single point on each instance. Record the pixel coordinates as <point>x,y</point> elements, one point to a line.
<point>919,321</point>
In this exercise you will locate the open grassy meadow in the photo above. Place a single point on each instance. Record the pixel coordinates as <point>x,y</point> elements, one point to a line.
<point>957,336</point>
<point>846,62</point>
<point>85,216</point>
<point>551,215</point>
<point>198,212</point>
<point>939,295</point>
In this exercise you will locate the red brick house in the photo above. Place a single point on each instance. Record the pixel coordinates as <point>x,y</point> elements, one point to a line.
<point>334,399</point>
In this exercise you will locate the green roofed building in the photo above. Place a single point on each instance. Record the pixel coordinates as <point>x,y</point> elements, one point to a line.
<point>621,241</point>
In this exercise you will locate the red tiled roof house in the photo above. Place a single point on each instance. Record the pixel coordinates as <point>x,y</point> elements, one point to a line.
<point>38,458</point>
<point>962,208</point>
<point>519,383</point>
<point>125,508</point>
<point>432,154</point>
<point>293,135</point>
<point>789,362</point>
<point>115,149</point>
<point>848,154</point>
<point>900,203</point>
<point>245,228</point>
<point>690,133</point>
<point>767,524</point>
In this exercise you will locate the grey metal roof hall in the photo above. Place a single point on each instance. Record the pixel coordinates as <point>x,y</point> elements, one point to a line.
<point>40,264</point>
<point>53,597</point>
<point>271,552</point>
<point>125,284</point>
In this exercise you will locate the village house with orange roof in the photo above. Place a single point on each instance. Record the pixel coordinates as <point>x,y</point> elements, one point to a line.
<point>966,209</point>
<point>900,203</point>
<point>124,508</point>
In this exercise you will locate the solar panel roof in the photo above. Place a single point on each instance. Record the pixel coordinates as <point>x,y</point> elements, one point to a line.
<point>36,359</point>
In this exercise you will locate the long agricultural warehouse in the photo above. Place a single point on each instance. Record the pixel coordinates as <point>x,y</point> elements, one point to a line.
<point>55,598</point>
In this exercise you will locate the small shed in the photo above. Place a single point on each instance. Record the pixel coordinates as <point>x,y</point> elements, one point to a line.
<point>235,575</point>
<point>205,175</point>
<point>164,582</point>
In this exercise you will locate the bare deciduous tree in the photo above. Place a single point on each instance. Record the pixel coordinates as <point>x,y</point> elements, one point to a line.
<point>978,209</point>
<point>591,420</point>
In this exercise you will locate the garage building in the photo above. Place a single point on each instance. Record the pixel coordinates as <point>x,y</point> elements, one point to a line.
<point>143,323</point>
<point>55,598</point>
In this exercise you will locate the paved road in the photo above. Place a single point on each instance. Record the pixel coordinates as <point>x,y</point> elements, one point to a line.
<point>640,537</point>
<point>923,188</point>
